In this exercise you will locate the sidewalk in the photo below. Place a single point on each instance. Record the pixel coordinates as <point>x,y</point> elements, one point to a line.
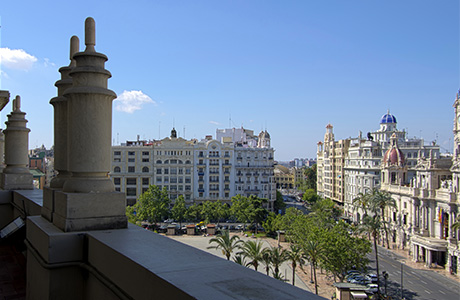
<point>404,257</point>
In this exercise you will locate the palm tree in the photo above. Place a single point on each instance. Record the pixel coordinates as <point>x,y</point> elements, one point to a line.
<point>295,255</point>
<point>313,249</point>
<point>380,200</point>
<point>239,259</point>
<point>373,225</point>
<point>266,259</point>
<point>362,202</point>
<point>277,257</point>
<point>226,243</point>
<point>253,251</point>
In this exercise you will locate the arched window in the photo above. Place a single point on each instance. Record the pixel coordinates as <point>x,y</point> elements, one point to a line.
<point>116,170</point>
<point>187,162</point>
<point>166,161</point>
<point>159,162</point>
<point>145,170</point>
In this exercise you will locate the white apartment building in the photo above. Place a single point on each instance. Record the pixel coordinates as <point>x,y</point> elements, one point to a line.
<point>199,170</point>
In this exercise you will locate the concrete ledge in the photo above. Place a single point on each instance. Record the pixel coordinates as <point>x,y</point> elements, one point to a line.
<point>160,267</point>
<point>29,201</point>
<point>54,245</point>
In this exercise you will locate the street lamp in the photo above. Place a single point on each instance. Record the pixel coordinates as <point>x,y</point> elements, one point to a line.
<point>385,276</point>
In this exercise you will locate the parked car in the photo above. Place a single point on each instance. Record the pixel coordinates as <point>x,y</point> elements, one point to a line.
<point>239,227</point>
<point>373,288</point>
<point>372,277</point>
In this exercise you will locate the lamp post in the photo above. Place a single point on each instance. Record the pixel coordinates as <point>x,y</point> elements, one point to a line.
<point>385,276</point>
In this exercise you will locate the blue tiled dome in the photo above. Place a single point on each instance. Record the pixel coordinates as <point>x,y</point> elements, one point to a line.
<point>388,118</point>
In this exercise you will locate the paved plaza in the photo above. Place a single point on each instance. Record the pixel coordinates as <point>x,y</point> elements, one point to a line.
<point>202,242</point>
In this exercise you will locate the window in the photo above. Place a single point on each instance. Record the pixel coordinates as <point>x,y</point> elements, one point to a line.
<point>187,188</point>
<point>131,153</point>
<point>145,181</point>
<point>159,162</point>
<point>131,192</point>
<point>116,181</point>
<point>173,179</point>
<point>158,179</point>
<point>159,171</point>
<point>131,159</point>
<point>187,162</point>
<point>130,181</point>
<point>116,170</point>
<point>145,160</point>
<point>117,159</point>
<point>145,153</point>
<point>145,170</point>
<point>117,153</point>
<point>131,169</point>
<point>188,171</point>
<point>166,180</point>
<point>173,171</point>
<point>188,180</point>
<point>166,171</point>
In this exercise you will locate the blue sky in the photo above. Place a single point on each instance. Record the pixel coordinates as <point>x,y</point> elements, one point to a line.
<point>288,66</point>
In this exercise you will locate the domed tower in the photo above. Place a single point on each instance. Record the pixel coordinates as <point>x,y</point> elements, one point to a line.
<point>394,169</point>
<point>264,139</point>
<point>388,122</point>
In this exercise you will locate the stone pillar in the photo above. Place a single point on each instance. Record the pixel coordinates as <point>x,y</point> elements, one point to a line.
<point>16,175</point>
<point>4,99</point>
<point>88,200</point>
<point>60,134</point>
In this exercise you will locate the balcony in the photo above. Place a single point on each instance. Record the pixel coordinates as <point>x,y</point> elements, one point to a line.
<point>78,243</point>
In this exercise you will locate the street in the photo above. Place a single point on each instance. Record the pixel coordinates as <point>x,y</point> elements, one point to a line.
<point>417,284</point>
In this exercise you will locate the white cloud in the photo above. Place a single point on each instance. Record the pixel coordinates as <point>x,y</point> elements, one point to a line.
<point>130,101</point>
<point>214,122</point>
<point>16,59</point>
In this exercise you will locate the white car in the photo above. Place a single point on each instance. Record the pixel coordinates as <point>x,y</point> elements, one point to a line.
<point>373,288</point>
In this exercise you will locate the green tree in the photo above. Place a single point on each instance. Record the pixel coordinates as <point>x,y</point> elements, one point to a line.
<point>179,210</point>
<point>314,251</point>
<point>253,251</point>
<point>241,209</point>
<point>266,259</point>
<point>208,212</point>
<point>222,211</point>
<point>295,256</point>
<point>372,226</point>
<point>279,203</point>
<point>344,251</point>
<point>380,201</point>
<point>277,257</point>
<point>152,205</point>
<point>272,224</point>
<point>257,211</point>
<point>326,212</point>
<point>310,196</point>
<point>239,259</point>
<point>226,243</point>
<point>362,201</point>
<point>310,177</point>
<point>193,213</point>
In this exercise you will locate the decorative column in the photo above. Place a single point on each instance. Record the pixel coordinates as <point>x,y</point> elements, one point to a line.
<point>88,200</point>
<point>60,134</point>
<point>4,99</point>
<point>16,175</point>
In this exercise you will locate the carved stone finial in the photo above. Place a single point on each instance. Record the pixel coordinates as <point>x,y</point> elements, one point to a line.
<point>90,34</point>
<point>74,48</point>
<point>17,103</point>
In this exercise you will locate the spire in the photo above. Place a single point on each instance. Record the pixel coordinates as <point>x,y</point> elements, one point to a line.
<point>90,34</point>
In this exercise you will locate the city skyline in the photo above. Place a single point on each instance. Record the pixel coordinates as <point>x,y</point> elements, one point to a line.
<point>290,68</point>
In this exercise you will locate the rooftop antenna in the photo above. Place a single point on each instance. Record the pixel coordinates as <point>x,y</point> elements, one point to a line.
<point>184,131</point>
